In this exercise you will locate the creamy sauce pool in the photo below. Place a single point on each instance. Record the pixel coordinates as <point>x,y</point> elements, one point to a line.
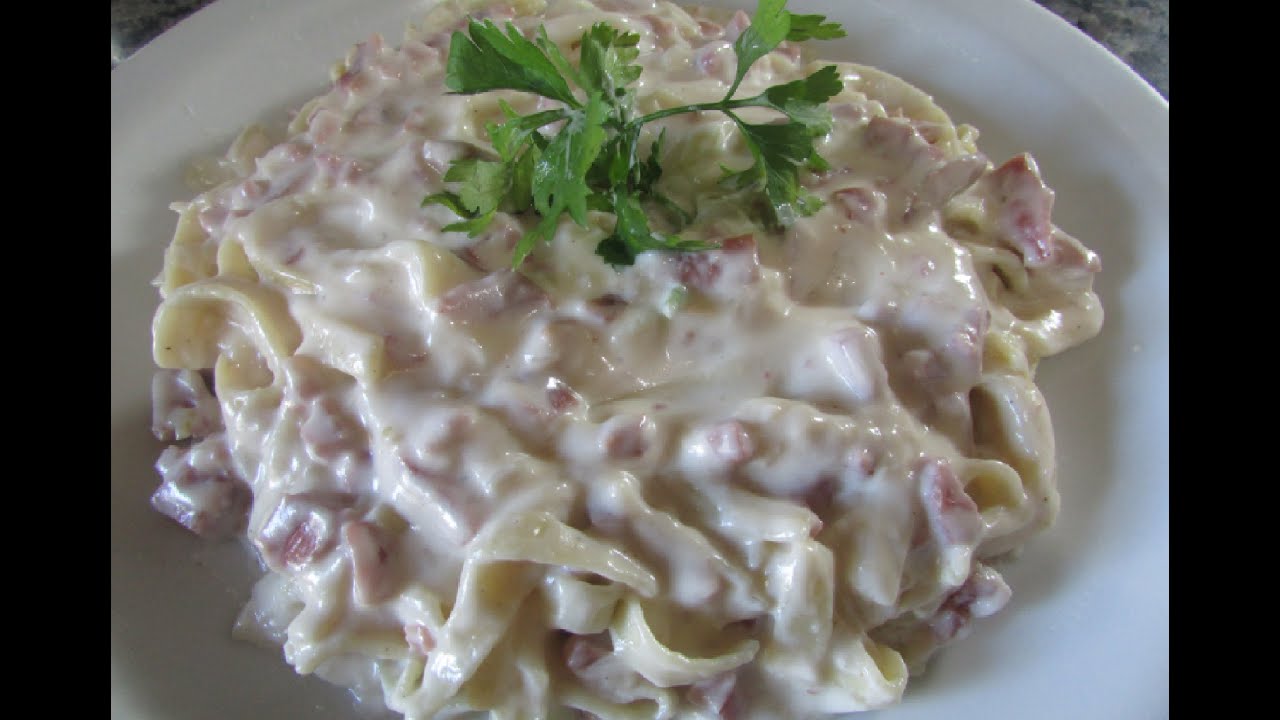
<point>760,481</point>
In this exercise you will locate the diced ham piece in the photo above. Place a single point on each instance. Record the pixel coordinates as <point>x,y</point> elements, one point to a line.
<point>561,397</point>
<point>956,365</point>
<point>626,438</point>
<point>715,694</point>
<point>324,126</point>
<point>983,594</point>
<point>583,651</point>
<point>361,57</point>
<point>708,30</point>
<point>250,193</point>
<point>303,528</point>
<point>419,54</point>
<point>606,308</point>
<point>1023,205</point>
<point>1073,265</point>
<point>721,273</point>
<point>498,11</point>
<point>862,461</point>
<point>490,296</point>
<point>730,442</point>
<point>820,495</point>
<point>952,515</point>
<point>859,204</point>
<point>739,22</point>
<point>899,141</point>
<point>699,270</point>
<point>664,31</point>
<point>371,550</point>
<point>1071,254</point>
<point>717,448</point>
<point>295,254</point>
<point>182,406</point>
<point>528,415</point>
<point>739,244</point>
<point>945,182</point>
<point>212,218</point>
<point>714,60</point>
<point>201,490</point>
<point>419,639</point>
<point>930,131</point>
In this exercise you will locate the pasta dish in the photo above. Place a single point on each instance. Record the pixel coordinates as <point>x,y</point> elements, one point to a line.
<point>765,475</point>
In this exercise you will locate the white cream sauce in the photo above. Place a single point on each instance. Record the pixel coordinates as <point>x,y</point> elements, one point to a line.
<point>789,453</point>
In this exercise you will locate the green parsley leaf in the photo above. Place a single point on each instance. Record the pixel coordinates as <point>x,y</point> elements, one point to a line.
<point>606,62</point>
<point>483,187</point>
<point>804,101</point>
<point>768,28</point>
<point>557,58</point>
<point>559,174</point>
<point>815,89</point>
<point>592,162</point>
<point>510,137</point>
<point>805,27</point>
<point>676,299</point>
<point>650,172</point>
<point>483,182</point>
<point>542,232</point>
<point>779,151</point>
<point>632,235</point>
<point>484,59</point>
<point>521,195</point>
<point>679,215</point>
<point>621,159</point>
<point>449,200</point>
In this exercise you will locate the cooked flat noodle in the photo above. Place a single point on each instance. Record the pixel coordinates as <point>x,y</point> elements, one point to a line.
<point>580,607</point>
<point>759,481</point>
<point>540,538</point>
<point>489,595</point>
<point>194,323</point>
<point>639,648</point>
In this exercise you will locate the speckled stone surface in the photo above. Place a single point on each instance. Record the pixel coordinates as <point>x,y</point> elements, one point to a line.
<point>1137,31</point>
<point>135,22</point>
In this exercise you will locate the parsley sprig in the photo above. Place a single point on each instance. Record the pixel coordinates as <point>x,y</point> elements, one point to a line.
<point>592,162</point>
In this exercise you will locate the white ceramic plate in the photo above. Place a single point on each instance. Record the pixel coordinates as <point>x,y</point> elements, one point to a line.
<point>1086,634</point>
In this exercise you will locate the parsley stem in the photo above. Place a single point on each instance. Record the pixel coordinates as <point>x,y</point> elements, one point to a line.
<point>721,105</point>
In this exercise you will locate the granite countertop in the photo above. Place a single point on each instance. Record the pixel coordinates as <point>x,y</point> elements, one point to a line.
<point>1137,31</point>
